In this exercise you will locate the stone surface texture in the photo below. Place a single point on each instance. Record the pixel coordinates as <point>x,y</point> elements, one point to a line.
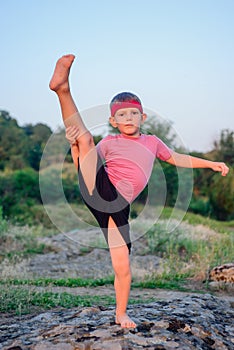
<point>192,322</point>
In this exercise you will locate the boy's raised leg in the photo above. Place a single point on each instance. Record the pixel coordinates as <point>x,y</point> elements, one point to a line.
<point>71,117</point>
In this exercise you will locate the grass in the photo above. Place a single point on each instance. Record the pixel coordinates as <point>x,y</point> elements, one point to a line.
<point>22,297</point>
<point>188,250</point>
<point>158,281</point>
<point>196,219</point>
<point>21,241</point>
<point>19,296</point>
<point>164,282</point>
<point>24,300</point>
<point>62,282</point>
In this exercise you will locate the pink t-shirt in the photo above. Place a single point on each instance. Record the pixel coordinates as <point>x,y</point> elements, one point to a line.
<point>129,161</point>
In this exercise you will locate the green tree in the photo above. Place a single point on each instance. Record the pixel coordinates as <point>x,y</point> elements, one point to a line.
<point>38,136</point>
<point>225,147</point>
<point>18,190</point>
<point>21,146</point>
<point>222,196</point>
<point>213,194</point>
<point>12,139</point>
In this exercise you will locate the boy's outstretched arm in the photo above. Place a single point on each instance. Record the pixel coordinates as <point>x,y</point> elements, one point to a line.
<point>187,161</point>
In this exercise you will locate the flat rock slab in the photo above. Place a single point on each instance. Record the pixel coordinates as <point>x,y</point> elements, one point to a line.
<point>200,322</point>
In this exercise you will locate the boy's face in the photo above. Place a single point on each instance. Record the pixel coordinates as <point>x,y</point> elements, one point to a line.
<point>128,121</point>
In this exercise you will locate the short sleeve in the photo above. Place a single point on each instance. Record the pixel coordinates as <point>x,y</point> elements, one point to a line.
<point>101,148</point>
<point>163,152</point>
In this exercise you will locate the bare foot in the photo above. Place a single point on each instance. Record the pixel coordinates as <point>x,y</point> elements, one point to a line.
<point>125,321</point>
<point>59,80</point>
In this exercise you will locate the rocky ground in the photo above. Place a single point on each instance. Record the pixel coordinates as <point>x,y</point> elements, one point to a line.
<point>173,320</point>
<point>191,322</point>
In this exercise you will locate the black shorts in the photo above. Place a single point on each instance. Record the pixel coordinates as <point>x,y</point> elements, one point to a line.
<point>106,202</point>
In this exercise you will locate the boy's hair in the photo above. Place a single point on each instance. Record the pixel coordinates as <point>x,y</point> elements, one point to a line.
<point>125,100</point>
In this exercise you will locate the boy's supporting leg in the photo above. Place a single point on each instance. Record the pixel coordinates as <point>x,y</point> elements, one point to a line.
<point>121,265</point>
<point>86,149</point>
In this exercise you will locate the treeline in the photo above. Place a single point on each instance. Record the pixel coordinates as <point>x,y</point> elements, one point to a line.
<point>21,150</point>
<point>21,147</point>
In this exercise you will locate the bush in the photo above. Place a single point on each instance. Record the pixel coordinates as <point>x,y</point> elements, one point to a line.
<point>221,196</point>
<point>199,205</point>
<point>18,189</point>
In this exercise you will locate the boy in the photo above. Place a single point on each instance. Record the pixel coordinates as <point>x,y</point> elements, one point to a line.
<point>108,190</point>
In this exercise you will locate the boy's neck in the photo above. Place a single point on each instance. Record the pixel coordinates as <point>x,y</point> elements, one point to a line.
<point>135,136</point>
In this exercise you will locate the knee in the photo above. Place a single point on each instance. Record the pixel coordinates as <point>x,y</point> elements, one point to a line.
<point>86,140</point>
<point>122,268</point>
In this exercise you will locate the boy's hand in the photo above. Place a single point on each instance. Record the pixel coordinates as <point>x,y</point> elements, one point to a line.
<point>72,133</point>
<point>217,166</point>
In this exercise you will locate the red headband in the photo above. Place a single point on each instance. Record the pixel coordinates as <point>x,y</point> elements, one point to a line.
<point>129,104</point>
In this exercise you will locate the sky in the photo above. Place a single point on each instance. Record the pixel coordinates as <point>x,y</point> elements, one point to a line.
<point>176,55</point>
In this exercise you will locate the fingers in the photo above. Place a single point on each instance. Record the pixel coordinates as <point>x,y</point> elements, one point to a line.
<point>72,133</point>
<point>223,169</point>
